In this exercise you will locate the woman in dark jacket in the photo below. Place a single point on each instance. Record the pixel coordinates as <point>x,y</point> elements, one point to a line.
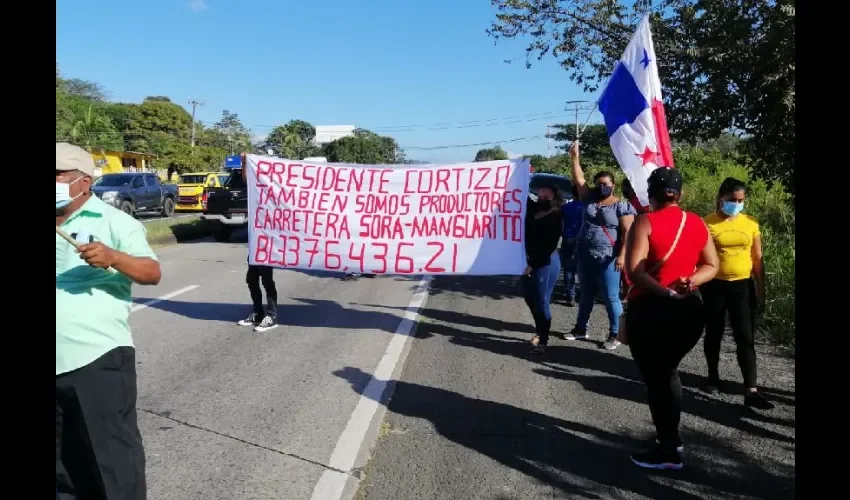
<point>543,227</point>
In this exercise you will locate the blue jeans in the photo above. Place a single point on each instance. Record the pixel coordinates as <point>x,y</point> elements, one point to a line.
<point>538,294</point>
<point>569,264</point>
<point>592,274</point>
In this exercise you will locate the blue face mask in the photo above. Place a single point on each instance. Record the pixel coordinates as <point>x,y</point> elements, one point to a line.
<point>732,208</point>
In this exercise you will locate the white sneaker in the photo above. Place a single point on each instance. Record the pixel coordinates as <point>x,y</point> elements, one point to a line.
<point>611,344</point>
<point>268,323</point>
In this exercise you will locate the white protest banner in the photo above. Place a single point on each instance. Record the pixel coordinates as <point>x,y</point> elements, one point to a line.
<point>388,219</point>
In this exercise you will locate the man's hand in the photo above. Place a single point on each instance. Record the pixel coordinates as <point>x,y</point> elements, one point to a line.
<point>527,271</point>
<point>574,151</point>
<point>98,255</point>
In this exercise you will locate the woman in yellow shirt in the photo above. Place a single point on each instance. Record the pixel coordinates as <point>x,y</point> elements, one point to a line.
<point>737,289</point>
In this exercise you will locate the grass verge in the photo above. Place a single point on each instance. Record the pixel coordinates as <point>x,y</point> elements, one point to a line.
<point>169,231</point>
<point>703,171</point>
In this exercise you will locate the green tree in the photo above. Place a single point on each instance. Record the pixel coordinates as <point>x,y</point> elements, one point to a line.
<point>725,65</point>
<point>95,130</point>
<point>489,154</point>
<point>293,140</point>
<point>538,162</point>
<point>595,146</point>
<point>228,134</point>
<point>366,147</point>
<point>83,88</point>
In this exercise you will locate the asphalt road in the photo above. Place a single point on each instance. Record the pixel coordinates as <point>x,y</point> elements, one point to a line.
<point>227,413</point>
<point>475,417</point>
<point>292,413</point>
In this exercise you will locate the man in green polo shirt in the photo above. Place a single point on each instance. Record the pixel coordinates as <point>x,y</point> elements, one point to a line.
<point>99,452</point>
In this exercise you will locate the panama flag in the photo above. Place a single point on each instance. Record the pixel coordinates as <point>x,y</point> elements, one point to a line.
<point>634,113</point>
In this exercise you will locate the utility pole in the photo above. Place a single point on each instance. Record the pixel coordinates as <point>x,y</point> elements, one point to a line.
<point>548,141</point>
<point>195,103</point>
<point>578,106</point>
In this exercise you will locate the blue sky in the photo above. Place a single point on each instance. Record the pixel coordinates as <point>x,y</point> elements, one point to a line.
<point>375,64</point>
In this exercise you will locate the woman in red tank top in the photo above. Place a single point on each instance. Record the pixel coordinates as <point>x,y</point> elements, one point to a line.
<point>668,255</point>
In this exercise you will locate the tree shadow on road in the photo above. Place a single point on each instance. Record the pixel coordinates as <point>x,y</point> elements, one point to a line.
<point>310,313</point>
<point>555,451</point>
<point>459,318</point>
<point>622,379</point>
<point>491,287</point>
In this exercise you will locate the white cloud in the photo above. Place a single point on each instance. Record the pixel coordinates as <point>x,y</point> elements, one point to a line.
<point>198,5</point>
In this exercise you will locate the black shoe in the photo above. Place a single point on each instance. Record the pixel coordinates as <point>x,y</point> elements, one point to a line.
<point>350,277</point>
<point>757,401</point>
<point>252,320</point>
<point>658,459</point>
<point>679,448</point>
<point>268,323</point>
<point>713,386</point>
<point>571,303</point>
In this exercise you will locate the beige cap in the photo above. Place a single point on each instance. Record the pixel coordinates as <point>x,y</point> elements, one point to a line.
<point>70,157</point>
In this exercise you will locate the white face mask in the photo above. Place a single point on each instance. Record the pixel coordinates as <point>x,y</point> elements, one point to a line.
<point>63,193</point>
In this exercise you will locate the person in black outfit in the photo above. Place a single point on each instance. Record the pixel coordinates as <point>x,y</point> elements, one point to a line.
<point>543,227</point>
<point>263,318</point>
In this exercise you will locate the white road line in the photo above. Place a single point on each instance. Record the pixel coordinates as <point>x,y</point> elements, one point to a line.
<point>139,307</point>
<point>331,484</point>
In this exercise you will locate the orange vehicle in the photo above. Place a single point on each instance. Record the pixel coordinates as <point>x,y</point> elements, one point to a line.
<point>191,188</point>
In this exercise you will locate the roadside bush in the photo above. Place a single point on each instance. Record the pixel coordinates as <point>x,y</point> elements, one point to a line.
<point>703,171</point>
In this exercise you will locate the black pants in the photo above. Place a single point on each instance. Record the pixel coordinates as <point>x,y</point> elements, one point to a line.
<point>99,451</point>
<point>661,332</point>
<point>253,277</point>
<point>738,298</point>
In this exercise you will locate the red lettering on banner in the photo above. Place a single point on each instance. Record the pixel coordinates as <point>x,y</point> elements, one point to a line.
<point>261,252</point>
<point>482,174</point>
<point>403,260</point>
<point>382,256</point>
<point>425,181</point>
<point>318,224</point>
<point>308,207</point>
<point>309,175</point>
<point>382,185</point>
<point>392,204</point>
<point>442,179</point>
<point>271,171</point>
<point>380,227</point>
<point>312,250</point>
<point>505,172</point>
<point>357,257</point>
<point>429,266</point>
<point>330,256</point>
<point>468,227</point>
<point>291,174</point>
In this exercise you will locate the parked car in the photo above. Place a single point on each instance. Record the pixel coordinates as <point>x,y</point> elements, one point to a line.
<point>564,184</point>
<point>191,188</point>
<point>136,192</point>
<point>226,207</point>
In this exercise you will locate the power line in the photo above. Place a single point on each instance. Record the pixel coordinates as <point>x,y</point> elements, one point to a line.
<point>406,148</point>
<point>487,122</point>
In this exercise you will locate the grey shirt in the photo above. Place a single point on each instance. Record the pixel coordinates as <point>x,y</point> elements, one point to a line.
<point>592,240</point>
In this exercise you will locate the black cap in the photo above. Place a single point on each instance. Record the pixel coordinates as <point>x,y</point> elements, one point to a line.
<point>665,179</point>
